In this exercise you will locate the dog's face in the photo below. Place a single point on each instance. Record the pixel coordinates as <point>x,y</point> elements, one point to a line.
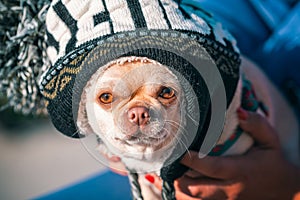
<point>135,107</point>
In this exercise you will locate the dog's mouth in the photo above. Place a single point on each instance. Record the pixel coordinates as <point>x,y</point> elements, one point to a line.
<point>143,139</point>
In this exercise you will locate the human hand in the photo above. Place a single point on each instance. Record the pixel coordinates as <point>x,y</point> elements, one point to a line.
<point>115,164</point>
<point>262,173</point>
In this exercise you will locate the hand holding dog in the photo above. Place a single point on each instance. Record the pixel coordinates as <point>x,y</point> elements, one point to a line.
<point>262,173</point>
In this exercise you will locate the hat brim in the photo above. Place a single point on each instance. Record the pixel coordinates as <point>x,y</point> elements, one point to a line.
<point>196,58</point>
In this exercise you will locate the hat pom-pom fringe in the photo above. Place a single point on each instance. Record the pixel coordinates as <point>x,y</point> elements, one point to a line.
<point>23,56</point>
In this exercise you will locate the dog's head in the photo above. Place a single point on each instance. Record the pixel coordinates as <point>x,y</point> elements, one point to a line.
<point>133,105</point>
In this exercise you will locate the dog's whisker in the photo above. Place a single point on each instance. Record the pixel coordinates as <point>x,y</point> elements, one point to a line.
<point>178,139</point>
<point>175,124</point>
<point>192,119</point>
<point>183,134</point>
<point>170,133</point>
<point>181,137</point>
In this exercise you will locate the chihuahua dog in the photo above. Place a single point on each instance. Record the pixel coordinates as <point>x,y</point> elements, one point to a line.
<point>134,105</point>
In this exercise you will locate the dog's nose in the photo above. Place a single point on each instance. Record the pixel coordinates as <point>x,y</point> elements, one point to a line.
<point>139,115</point>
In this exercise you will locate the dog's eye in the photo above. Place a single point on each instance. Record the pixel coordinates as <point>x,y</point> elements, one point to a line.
<point>106,98</point>
<point>167,93</point>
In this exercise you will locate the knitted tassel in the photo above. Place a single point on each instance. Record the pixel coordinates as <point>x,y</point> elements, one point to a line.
<point>22,56</point>
<point>168,191</point>
<point>135,186</point>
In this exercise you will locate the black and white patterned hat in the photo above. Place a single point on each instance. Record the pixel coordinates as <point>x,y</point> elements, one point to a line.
<point>85,35</point>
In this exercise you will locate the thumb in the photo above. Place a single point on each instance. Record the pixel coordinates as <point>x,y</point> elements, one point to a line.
<point>259,128</point>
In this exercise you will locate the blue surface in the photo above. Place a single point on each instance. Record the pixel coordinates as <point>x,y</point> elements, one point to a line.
<point>106,186</point>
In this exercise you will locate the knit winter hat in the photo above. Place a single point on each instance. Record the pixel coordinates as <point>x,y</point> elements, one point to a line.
<point>85,35</point>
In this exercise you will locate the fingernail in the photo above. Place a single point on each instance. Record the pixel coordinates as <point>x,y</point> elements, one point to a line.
<point>242,114</point>
<point>150,178</point>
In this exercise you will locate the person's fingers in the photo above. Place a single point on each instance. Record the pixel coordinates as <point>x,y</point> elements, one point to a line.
<point>118,167</point>
<point>120,172</point>
<point>111,158</point>
<point>204,187</point>
<point>215,167</point>
<point>114,158</point>
<point>157,182</point>
<point>191,186</point>
<point>193,174</point>
<point>115,164</point>
<point>259,128</point>
<point>183,196</point>
<point>229,166</point>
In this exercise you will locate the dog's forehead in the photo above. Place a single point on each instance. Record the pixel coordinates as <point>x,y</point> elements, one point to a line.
<point>137,73</point>
<point>119,70</point>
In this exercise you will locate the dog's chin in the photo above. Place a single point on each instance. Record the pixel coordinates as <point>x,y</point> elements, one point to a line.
<point>145,148</point>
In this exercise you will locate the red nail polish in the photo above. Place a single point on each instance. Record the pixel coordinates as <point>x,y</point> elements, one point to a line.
<point>150,178</point>
<point>242,114</point>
